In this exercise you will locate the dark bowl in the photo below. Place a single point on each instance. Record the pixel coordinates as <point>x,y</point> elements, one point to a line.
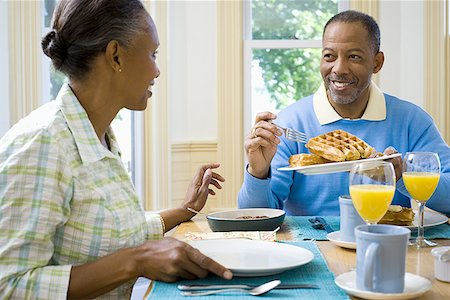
<point>248,219</point>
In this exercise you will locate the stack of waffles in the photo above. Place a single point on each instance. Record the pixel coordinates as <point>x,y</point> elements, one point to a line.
<point>397,215</point>
<point>339,145</point>
<point>334,146</point>
<point>304,159</point>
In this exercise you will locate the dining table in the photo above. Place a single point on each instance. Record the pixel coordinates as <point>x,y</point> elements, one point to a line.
<point>339,260</point>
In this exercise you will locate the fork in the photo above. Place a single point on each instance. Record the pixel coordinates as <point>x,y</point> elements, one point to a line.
<point>256,291</point>
<point>428,242</point>
<point>293,135</point>
<point>244,286</point>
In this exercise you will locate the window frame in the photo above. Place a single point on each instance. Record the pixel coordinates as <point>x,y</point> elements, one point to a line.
<point>250,45</point>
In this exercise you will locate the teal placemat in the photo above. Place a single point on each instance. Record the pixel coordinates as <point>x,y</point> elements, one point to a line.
<point>315,272</point>
<point>437,232</point>
<point>301,229</point>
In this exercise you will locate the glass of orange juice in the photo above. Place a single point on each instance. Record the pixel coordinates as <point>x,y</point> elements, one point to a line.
<point>421,172</point>
<point>372,188</point>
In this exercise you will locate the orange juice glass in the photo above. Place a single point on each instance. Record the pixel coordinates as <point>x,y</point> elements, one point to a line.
<point>421,185</point>
<point>372,188</point>
<point>421,177</point>
<point>372,200</point>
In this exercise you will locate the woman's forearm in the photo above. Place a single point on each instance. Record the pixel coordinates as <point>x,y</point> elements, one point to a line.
<point>97,278</point>
<point>174,216</point>
<point>94,279</point>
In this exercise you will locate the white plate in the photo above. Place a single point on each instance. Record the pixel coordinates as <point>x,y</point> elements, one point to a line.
<point>431,218</point>
<point>335,238</point>
<point>415,286</point>
<point>248,258</point>
<point>334,167</point>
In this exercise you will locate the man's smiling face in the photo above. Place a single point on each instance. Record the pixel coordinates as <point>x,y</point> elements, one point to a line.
<point>348,61</point>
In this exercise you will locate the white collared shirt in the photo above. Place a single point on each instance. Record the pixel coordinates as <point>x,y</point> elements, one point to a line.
<point>375,110</point>
<point>65,200</point>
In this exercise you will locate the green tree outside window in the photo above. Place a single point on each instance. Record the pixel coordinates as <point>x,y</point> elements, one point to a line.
<point>290,74</point>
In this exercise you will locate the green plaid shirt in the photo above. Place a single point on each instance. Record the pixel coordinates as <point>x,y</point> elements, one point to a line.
<point>64,200</point>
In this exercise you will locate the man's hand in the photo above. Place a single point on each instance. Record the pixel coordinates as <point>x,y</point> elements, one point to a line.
<point>397,162</point>
<point>261,144</point>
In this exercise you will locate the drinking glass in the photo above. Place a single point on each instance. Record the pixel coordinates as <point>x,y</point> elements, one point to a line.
<point>421,172</point>
<point>372,188</point>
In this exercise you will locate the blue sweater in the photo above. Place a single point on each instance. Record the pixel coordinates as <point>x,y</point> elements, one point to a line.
<point>407,128</point>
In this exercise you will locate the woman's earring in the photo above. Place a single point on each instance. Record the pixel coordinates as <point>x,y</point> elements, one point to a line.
<point>120,70</point>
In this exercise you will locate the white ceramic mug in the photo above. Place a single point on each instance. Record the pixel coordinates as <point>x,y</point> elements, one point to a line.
<point>380,258</point>
<point>349,219</point>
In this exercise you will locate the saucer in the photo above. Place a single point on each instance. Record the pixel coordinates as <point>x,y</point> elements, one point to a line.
<point>335,238</point>
<point>415,286</point>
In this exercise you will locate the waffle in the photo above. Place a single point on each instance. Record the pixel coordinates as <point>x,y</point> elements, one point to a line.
<point>397,215</point>
<point>339,145</point>
<point>304,159</point>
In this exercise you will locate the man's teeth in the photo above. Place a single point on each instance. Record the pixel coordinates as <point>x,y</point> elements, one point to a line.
<point>340,84</point>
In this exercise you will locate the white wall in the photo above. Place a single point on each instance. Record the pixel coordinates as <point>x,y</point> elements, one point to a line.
<point>192,70</point>
<point>193,66</point>
<point>401,25</point>
<point>4,69</point>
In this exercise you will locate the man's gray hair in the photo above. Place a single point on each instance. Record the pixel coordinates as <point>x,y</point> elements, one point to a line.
<point>351,16</point>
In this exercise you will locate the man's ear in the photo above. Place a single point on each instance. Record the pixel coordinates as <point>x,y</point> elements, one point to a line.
<point>113,55</point>
<point>379,60</point>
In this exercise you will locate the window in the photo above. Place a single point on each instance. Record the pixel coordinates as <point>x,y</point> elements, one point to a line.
<point>282,51</point>
<point>53,80</point>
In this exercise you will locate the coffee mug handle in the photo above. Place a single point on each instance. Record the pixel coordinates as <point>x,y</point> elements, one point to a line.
<point>369,261</point>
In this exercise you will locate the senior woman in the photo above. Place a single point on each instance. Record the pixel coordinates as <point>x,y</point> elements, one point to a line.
<point>71,224</point>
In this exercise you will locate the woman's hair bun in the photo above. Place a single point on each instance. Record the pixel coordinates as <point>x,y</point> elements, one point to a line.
<point>54,47</point>
<point>83,28</point>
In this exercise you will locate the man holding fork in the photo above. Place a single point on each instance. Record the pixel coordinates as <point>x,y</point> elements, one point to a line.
<point>347,100</point>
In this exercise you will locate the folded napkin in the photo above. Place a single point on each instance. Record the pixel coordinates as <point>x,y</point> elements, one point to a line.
<point>270,236</point>
<point>314,272</point>
<point>301,228</point>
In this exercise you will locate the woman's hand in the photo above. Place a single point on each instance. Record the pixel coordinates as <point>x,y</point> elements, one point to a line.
<point>170,260</point>
<point>261,144</point>
<point>167,260</point>
<point>200,187</point>
<point>196,196</point>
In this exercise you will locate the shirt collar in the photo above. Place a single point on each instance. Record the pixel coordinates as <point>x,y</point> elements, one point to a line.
<point>375,110</point>
<point>89,146</point>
